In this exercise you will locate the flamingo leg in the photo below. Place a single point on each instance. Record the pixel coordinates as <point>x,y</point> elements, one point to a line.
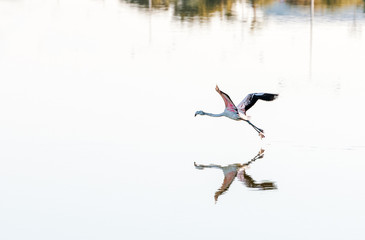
<point>256,128</point>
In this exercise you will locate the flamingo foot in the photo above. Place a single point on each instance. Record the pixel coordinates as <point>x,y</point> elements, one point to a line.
<point>261,134</point>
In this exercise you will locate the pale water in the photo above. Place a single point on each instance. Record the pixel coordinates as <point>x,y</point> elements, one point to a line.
<point>98,136</point>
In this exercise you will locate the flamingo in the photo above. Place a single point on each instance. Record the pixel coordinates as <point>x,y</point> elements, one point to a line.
<point>238,170</point>
<point>233,112</point>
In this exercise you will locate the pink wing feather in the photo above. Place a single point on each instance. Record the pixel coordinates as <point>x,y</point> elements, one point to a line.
<point>228,179</point>
<point>227,101</point>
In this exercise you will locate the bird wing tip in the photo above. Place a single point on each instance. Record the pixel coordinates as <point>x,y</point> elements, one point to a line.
<point>217,88</point>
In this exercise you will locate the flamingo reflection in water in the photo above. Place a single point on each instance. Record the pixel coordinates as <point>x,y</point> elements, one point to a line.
<point>238,170</point>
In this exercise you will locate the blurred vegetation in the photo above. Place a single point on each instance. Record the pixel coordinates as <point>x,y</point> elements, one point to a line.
<point>327,4</point>
<point>207,8</point>
<point>203,8</point>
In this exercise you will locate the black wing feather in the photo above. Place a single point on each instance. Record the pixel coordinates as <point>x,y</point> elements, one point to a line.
<point>252,98</point>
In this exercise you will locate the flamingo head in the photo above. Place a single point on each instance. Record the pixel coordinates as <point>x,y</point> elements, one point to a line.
<point>199,113</point>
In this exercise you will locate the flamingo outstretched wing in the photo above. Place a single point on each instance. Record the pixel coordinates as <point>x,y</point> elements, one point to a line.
<point>252,98</point>
<point>249,182</point>
<point>227,101</point>
<point>228,179</point>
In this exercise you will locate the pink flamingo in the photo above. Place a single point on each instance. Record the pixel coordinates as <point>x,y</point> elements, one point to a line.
<point>233,112</point>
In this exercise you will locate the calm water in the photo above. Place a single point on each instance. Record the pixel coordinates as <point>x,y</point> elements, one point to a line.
<point>98,136</point>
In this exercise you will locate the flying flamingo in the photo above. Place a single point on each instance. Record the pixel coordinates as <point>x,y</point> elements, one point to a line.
<point>233,112</point>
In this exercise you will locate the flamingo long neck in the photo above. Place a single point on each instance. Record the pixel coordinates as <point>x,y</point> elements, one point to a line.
<point>213,114</point>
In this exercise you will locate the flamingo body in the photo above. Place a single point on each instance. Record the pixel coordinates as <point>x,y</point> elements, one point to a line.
<point>233,112</point>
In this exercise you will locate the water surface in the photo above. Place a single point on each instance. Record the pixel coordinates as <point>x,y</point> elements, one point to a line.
<point>97,129</point>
